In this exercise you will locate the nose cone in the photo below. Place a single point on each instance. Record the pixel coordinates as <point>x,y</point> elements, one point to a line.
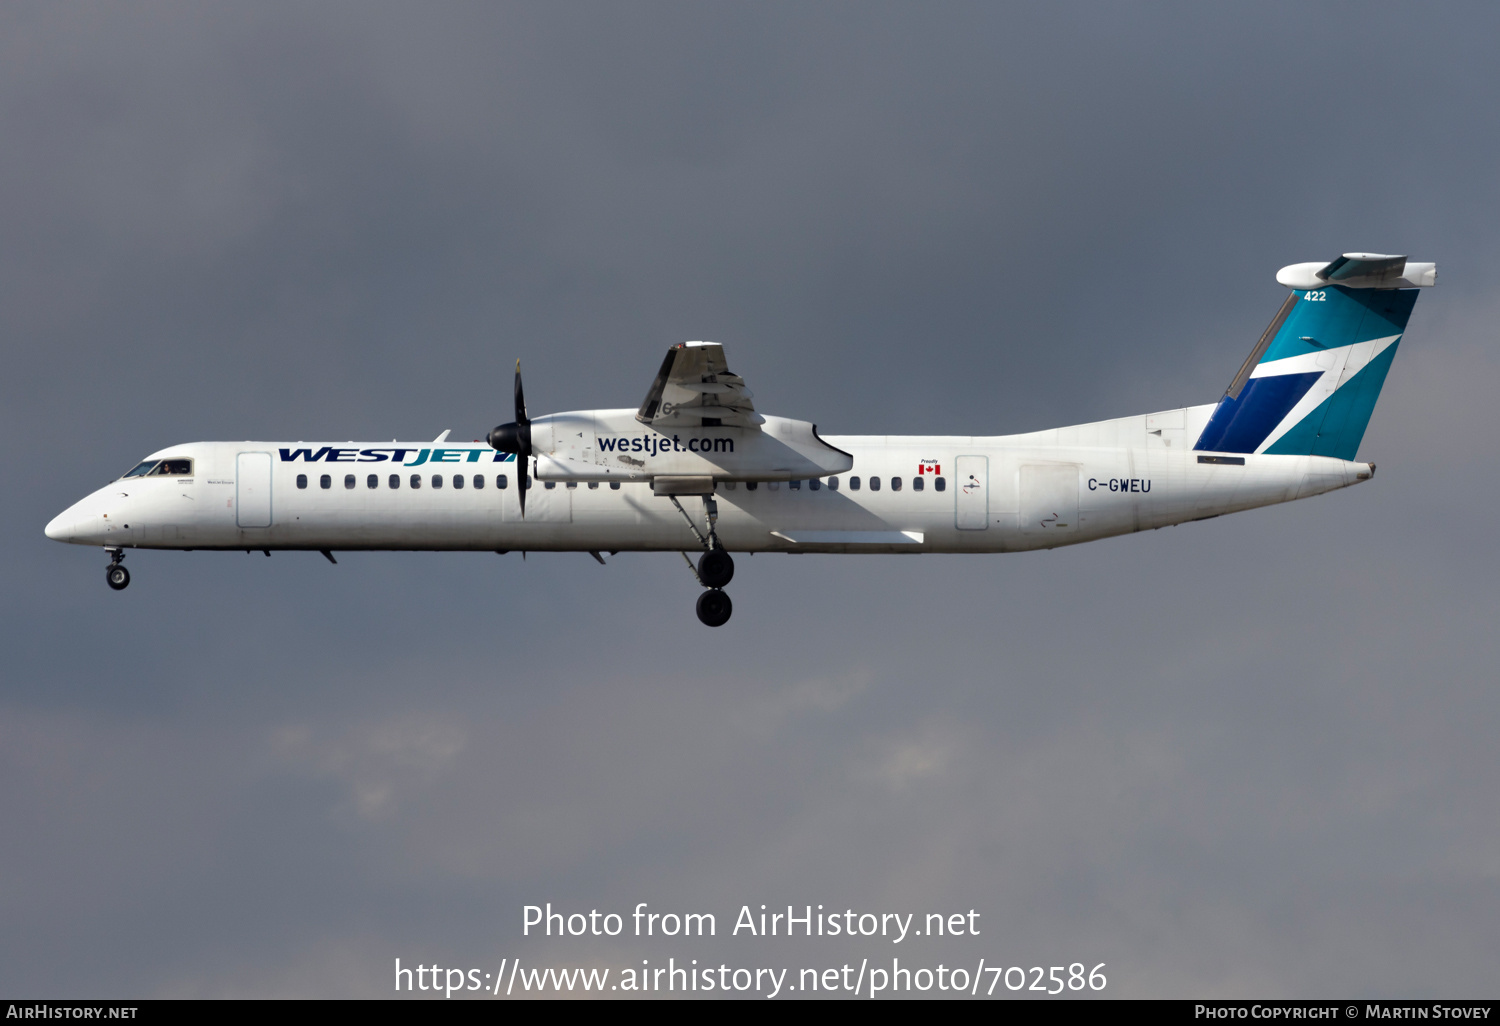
<point>61,527</point>
<point>76,524</point>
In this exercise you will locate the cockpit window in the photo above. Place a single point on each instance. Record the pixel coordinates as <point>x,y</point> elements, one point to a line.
<point>163,468</point>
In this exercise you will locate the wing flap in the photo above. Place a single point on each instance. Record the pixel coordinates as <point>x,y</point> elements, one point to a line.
<point>851,537</point>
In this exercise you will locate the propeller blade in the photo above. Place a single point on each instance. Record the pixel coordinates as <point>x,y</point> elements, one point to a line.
<point>523,439</point>
<point>516,437</point>
<point>521,417</point>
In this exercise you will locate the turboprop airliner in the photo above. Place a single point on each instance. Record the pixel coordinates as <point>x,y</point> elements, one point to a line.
<point>696,467</point>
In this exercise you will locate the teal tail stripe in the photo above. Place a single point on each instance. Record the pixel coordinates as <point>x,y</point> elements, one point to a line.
<point>1337,317</point>
<point>1336,427</point>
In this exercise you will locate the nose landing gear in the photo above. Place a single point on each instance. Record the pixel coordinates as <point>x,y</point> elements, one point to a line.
<point>115,575</point>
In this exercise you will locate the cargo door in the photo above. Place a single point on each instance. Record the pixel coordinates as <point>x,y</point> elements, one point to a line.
<point>1049,498</point>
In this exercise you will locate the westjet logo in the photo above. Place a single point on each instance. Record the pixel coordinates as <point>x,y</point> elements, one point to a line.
<point>653,444</point>
<point>328,454</point>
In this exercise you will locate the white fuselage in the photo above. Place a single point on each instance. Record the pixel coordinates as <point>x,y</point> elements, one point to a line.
<point>998,494</point>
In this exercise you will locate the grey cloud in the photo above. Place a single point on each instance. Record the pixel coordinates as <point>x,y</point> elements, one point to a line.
<point>1245,757</point>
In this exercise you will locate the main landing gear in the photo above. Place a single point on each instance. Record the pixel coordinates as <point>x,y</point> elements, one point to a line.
<point>714,608</point>
<point>115,575</point>
<point>715,567</point>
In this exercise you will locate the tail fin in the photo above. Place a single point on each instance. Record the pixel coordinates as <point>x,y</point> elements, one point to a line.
<point>1310,384</point>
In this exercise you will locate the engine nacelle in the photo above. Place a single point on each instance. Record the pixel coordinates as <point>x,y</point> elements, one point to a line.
<point>613,445</point>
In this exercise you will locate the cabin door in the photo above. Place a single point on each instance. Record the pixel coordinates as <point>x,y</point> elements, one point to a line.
<point>971,493</point>
<point>252,489</point>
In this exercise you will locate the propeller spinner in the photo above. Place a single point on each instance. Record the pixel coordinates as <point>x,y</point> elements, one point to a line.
<point>516,437</point>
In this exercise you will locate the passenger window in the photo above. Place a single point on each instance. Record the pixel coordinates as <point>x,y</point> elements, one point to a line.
<point>833,484</point>
<point>728,486</point>
<point>916,484</point>
<point>373,481</point>
<point>416,480</point>
<point>895,484</point>
<point>478,480</point>
<point>141,469</point>
<point>795,486</point>
<point>939,484</point>
<point>549,484</point>
<point>815,484</point>
<point>437,480</point>
<point>349,481</point>
<point>572,484</point>
<point>395,481</point>
<point>874,484</point>
<point>458,480</point>
<point>614,486</point>
<point>773,485</point>
<point>525,480</point>
<point>301,480</point>
<point>750,486</point>
<point>501,482</point>
<point>326,481</point>
<point>854,483</point>
<point>594,484</point>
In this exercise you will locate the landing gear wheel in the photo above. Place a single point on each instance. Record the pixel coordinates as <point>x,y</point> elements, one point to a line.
<point>714,608</point>
<point>715,568</point>
<point>118,578</point>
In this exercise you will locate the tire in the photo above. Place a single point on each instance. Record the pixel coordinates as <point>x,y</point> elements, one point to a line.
<point>714,608</point>
<point>117,577</point>
<point>715,568</point>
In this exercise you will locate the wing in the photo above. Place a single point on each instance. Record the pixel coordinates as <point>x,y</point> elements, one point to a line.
<point>695,388</point>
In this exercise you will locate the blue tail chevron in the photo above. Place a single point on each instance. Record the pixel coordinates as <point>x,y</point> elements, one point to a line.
<point>1310,385</point>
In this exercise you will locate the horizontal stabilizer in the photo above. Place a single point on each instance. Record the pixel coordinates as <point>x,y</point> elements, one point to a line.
<point>1360,271</point>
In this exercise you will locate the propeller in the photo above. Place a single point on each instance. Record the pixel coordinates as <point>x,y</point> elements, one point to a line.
<point>516,437</point>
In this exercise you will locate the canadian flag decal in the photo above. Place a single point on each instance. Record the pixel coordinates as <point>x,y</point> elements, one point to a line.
<point>929,467</point>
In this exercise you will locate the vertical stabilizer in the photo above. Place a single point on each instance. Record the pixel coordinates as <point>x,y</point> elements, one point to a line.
<point>1311,382</point>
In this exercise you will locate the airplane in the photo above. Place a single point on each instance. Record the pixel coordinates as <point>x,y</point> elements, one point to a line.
<point>1288,427</point>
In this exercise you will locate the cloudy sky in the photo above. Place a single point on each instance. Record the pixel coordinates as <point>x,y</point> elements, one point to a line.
<point>1248,757</point>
